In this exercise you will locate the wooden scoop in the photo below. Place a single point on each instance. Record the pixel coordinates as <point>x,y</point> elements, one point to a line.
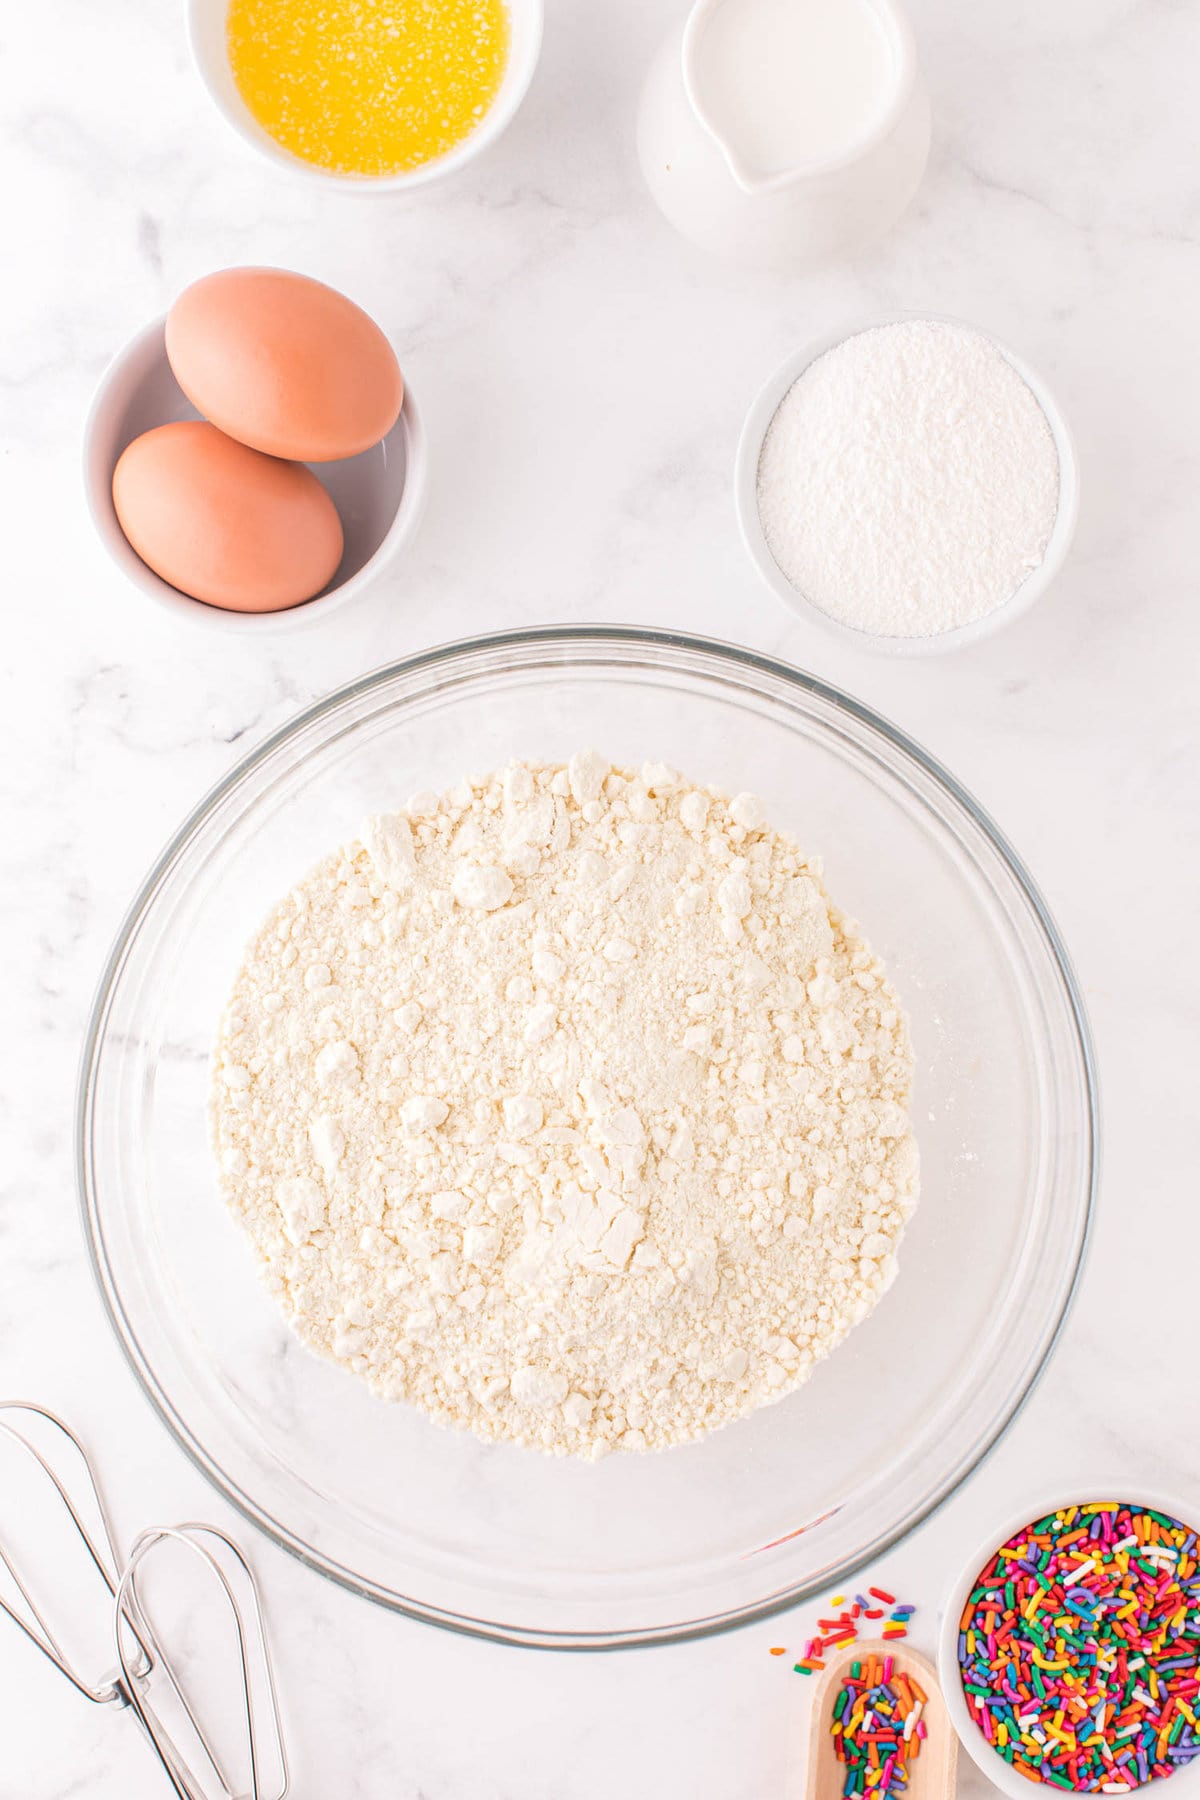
<point>932,1775</point>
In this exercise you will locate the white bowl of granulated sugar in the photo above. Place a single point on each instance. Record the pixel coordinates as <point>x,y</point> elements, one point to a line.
<point>909,483</point>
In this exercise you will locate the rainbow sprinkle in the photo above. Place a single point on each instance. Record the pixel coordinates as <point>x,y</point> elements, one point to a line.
<point>1079,1648</point>
<point>844,1627</point>
<point>877,1728</point>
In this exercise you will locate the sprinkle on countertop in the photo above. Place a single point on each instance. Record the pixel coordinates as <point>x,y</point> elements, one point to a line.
<point>845,1627</point>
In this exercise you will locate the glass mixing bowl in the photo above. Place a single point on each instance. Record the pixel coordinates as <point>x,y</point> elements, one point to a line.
<point>634,1549</point>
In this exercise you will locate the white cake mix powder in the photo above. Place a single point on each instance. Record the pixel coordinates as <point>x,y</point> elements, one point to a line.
<point>908,483</point>
<point>567,1108</point>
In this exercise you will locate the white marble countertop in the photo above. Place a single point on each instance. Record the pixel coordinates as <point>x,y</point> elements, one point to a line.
<point>584,376</point>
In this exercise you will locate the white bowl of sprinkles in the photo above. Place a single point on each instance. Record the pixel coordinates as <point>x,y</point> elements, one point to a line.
<point>1086,1497</point>
<point>914,491</point>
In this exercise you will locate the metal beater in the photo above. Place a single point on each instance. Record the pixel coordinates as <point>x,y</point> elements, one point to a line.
<point>144,1680</point>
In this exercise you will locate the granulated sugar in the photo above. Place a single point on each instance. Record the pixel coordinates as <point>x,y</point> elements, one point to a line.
<point>909,482</point>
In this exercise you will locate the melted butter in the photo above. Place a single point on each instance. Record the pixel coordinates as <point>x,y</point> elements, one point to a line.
<point>368,87</point>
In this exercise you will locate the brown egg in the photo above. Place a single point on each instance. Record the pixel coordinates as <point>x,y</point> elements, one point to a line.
<point>224,523</point>
<point>284,364</point>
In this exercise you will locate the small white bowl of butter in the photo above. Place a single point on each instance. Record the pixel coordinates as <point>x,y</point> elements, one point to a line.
<point>213,30</point>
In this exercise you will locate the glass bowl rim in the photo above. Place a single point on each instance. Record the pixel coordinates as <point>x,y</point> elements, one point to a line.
<point>599,636</point>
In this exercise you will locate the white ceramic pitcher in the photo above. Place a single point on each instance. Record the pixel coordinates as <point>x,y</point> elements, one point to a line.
<point>840,80</point>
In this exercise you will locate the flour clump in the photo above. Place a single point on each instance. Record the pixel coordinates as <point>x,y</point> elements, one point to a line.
<point>567,1108</point>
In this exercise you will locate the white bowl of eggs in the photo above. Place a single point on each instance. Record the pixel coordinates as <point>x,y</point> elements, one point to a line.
<point>255,458</point>
<point>370,99</point>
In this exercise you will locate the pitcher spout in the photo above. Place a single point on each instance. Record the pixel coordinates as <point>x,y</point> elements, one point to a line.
<point>789,89</point>
<point>698,21</point>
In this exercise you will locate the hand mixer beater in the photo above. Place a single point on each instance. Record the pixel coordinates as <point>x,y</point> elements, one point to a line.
<point>145,1680</point>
